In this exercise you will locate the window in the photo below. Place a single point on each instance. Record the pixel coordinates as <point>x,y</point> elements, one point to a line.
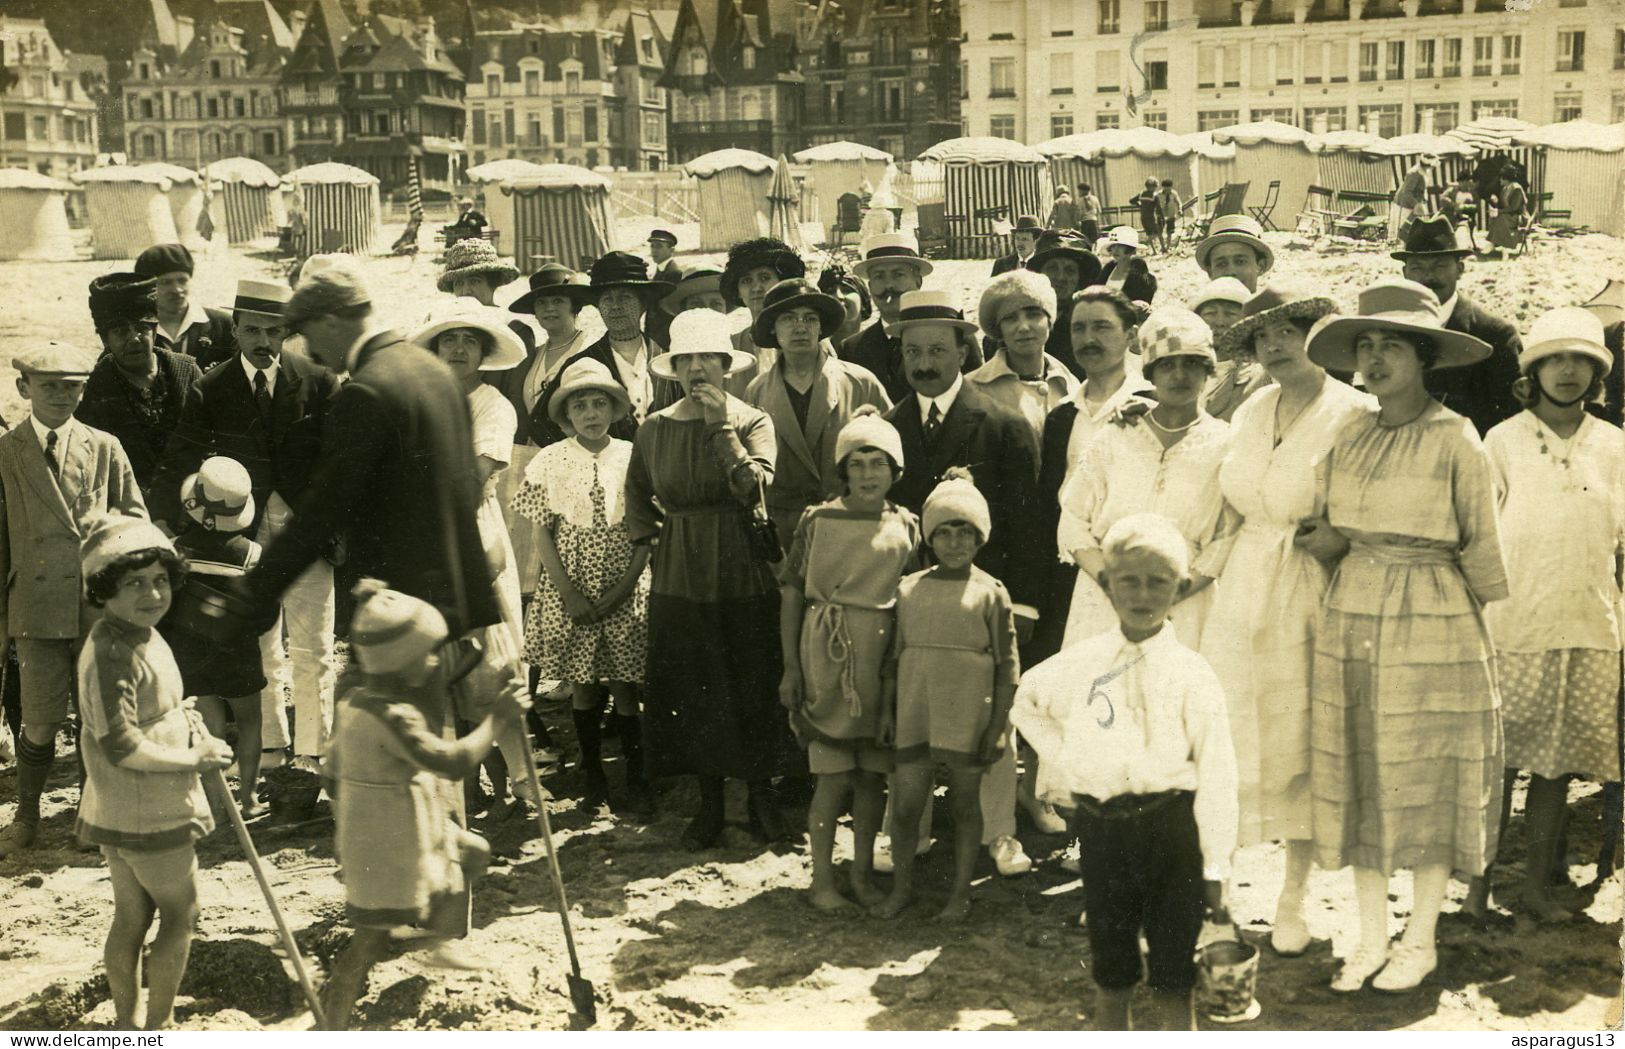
<point>1336,60</point>
<point>494,131</point>
<point>1001,19</point>
<point>696,62</point>
<point>589,117</point>
<point>1208,119</point>
<point>144,71</point>
<point>533,129</point>
<point>1321,119</point>
<point>214,68</point>
<point>1155,119</point>
<point>1108,16</point>
<point>572,83</point>
<point>1001,78</point>
<point>1060,73</point>
<point>1156,75</point>
<point>1435,119</point>
<point>964,79</point>
<point>1232,67</point>
<point>146,108</point>
<point>1483,55</point>
<point>889,97</point>
<point>1396,61</point>
<point>1285,57</point>
<point>1002,126</point>
<point>1616,104</point>
<point>558,123</point>
<point>1156,14</point>
<point>42,129</point>
<point>1452,57</point>
<point>1425,51</point>
<point>747,58</point>
<point>1619,49</point>
<point>1511,54</point>
<point>835,102</point>
<point>238,109</point>
<point>1106,79</point>
<point>653,129</point>
<point>1566,106</point>
<point>1279,114</point>
<point>1495,107</point>
<point>1107,120</point>
<point>476,124</point>
<point>1061,20</point>
<point>648,46</point>
<point>1368,61</point>
<point>149,145</point>
<point>16,127</point>
<point>1207,64</point>
<point>533,82</point>
<point>1381,119</point>
<point>1060,124</point>
<point>1571,46</point>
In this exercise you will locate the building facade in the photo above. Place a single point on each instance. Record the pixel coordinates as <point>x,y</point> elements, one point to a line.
<point>1038,69</point>
<point>310,81</point>
<point>47,118</point>
<point>641,143</point>
<point>221,95</point>
<point>732,70</point>
<point>882,72</point>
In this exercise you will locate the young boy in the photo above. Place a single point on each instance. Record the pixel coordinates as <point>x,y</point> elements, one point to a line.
<point>1168,203</point>
<point>143,802</point>
<point>1130,727</point>
<point>1150,205</point>
<point>55,474</point>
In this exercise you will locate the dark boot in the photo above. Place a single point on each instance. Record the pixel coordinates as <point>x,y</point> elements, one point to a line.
<point>640,801</point>
<point>34,762</point>
<point>589,736</point>
<point>705,829</point>
<point>767,823</point>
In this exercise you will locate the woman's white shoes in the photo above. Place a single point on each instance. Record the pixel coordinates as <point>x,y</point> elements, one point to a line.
<point>1358,968</point>
<point>1407,969</point>
<point>1290,937</point>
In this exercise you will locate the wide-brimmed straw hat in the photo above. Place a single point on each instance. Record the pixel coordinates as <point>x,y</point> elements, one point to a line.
<point>1392,305</point>
<point>1429,237</point>
<point>1567,329</point>
<point>220,496</point>
<point>786,295</point>
<point>586,374</point>
<point>696,280</point>
<point>929,307</point>
<point>1275,301</point>
<point>474,256</point>
<point>553,280</point>
<point>506,349</point>
<point>697,332</point>
<point>888,248</point>
<point>1235,229</point>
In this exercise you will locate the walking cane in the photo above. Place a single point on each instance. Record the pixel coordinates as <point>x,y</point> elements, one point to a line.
<point>582,995</point>
<point>288,943</point>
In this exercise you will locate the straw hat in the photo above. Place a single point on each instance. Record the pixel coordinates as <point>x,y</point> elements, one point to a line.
<point>1392,305</point>
<point>786,295</point>
<point>696,332</point>
<point>1235,229</point>
<point>586,374</point>
<point>392,631</point>
<point>475,257</point>
<point>553,280</point>
<point>696,280</point>
<point>506,349</point>
<point>1567,329</point>
<point>1174,331</point>
<point>1275,301</point>
<point>929,307</point>
<point>264,297</point>
<point>220,496</point>
<point>1123,236</point>
<point>885,248</point>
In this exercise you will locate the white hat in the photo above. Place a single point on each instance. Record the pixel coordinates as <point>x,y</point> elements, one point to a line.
<point>506,349</point>
<point>702,331</point>
<point>391,631</point>
<point>1174,331</point>
<point>108,537</point>
<point>1567,329</point>
<point>220,496</point>
<point>1127,236</point>
<point>1221,289</point>
<point>261,296</point>
<point>892,247</point>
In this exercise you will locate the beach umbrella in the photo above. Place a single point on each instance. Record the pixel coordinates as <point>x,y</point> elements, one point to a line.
<point>1609,303</point>
<point>1489,133</point>
<point>784,206</point>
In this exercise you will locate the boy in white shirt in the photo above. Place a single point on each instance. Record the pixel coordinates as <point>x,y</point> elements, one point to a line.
<point>1143,752</point>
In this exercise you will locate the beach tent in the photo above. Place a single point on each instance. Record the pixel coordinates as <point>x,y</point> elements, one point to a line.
<point>251,196</point>
<point>734,187</point>
<point>129,209</point>
<point>839,168</point>
<point>1270,151</point>
<point>498,206</point>
<point>190,197</point>
<point>1493,143</point>
<point>987,181</point>
<point>1115,162</point>
<point>33,216</point>
<point>1583,166</point>
<point>1213,164</point>
<point>341,206</point>
<point>1343,163</point>
<point>560,214</point>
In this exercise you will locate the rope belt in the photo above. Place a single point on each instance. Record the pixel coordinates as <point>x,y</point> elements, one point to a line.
<point>831,619</point>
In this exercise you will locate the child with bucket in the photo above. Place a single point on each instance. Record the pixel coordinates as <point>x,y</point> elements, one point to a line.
<point>1132,732</point>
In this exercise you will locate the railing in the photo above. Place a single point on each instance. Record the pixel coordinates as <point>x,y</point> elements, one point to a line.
<point>722,127</point>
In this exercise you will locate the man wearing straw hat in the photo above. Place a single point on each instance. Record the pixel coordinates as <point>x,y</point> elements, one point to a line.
<point>267,409</point>
<point>891,268</point>
<point>1235,247</point>
<point>184,326</point>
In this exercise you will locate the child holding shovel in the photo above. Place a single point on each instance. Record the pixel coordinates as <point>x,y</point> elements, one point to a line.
<point>403,859</point>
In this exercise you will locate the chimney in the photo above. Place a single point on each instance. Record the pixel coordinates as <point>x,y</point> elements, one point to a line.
<point>589,13</point>
<point>184,30</point>
<point>428,40</point>
<point>296,25</point>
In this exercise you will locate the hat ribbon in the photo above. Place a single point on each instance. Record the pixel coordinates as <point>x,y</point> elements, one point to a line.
<point>892,250</point>
<point>930,313</point>
<point>383,634</point>
<point>199,500</point>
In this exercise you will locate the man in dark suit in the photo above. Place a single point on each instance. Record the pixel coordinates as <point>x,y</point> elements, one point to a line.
<point>267,410</point>
<point>891,268</point>
<point>945,421</point>
<point>1024,238</point>
<point>185,326</point>
<point>1482,392</point>
<point>662,246</point>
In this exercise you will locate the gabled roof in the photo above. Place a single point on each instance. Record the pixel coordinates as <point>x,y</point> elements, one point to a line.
<point>400,54</point>
<point>640,25</point>
<point>321,45</point>
<point>552,46</point>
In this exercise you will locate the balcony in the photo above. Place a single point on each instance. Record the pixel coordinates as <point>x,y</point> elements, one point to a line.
<point>298,97</point>
<point>722,127</point>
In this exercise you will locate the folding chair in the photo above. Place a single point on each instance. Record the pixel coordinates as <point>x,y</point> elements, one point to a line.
<point>1319,211</point>
<point>932,228</point>
<point>848,217</point>
<point>1204,218</point>
<point>1234,199</point>
<point>1262,212</point>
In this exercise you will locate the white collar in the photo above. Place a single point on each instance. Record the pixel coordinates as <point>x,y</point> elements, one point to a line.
<point>371,330</point>
<point>944,400</point>
<point>1448,306</point>
<point>195,314</point>
<point>1158,640</point>
<point>41,430</point>
<point>270,372</point>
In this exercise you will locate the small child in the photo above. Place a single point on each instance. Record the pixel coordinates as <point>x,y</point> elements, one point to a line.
<point>1168,203</point>
<point>840,589</point>
<point>219,501</point>
<point>403,859</point>
<point>143,802</point>
<point>1150,205</point>
<point>955,669</point>
<point>1143,752</point>
<point>588,622</point>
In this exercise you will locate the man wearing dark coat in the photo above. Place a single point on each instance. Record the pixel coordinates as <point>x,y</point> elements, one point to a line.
<point>184,325</point>
<point>892,267</point>
<point>1024,238</point>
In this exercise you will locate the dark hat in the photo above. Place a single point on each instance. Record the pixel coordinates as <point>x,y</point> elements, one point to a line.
<point>120,298</point>
<point>789,294</point>
<point>1430,236</point>
<point>663,235</point>
<point>747,255</point>
<point>696,280</point>
<point>164,258</point>
<point>620,269</point>
<point>1055,245</point>
<point>554,279</point>
<point>1027,224</point>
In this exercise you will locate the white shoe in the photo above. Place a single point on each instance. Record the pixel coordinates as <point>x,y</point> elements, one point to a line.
<point>1358,968</point>
<point>1009,858</point>
<point>1045,819</point>
<point>1290,937</point>
<point>1409,967</point>
<point>883,863</point>
<point>1072,862</point>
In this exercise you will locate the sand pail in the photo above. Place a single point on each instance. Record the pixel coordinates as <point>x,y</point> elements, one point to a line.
<point>1226,976</point>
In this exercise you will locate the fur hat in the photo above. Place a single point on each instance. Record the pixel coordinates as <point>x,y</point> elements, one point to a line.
<point>123,298</point>
<point>869,429</point>
<point>1015,287</point>
<point>747,255</point>
<point>392,631</point>
<point>955,498</point>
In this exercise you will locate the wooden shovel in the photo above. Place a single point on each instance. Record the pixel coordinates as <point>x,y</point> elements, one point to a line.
<point>582,995</point>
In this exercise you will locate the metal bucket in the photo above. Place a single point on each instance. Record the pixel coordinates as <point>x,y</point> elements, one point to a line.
<point>1226,977</point>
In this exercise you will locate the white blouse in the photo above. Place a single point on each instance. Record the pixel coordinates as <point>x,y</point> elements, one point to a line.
<point>564,473</point>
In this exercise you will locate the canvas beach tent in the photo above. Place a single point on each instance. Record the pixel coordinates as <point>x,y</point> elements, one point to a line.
<point>1115,162</point>
<point>1270,151</point>
<point>34,216</point>
<point>498,206</point>
<point>734,189</point>
<point>560,214</point>
<point>251,198</point>
<point>1584,165</point>
<point>129,209</point>
<point>987,181</point>
<point>839,168</point>
<point>342,208</point>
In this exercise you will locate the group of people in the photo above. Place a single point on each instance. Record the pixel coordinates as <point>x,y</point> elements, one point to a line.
<point>1223,572</point>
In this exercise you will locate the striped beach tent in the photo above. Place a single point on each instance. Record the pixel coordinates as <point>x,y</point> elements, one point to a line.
<point>129,209</point>
<point>33,216</point>
<point>488,178</point>
<point>1115,162</point>
<point>1583,165</point>
<point>734,184</point>
<point>342,208</point>
<point>839,168</point>
<point>1270,151</point>
<point>1214,164</point>
<point>251,196</point>
<point>560,214</point>
<point>1342,163</point>
<point>987,181</point>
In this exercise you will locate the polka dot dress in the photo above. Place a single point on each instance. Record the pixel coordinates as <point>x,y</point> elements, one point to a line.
<point>1559,711</point>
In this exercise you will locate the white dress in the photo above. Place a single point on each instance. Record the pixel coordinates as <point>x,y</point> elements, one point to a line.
<point>1259,636</point>
<point>494,425</point>
<point>1126,471</point>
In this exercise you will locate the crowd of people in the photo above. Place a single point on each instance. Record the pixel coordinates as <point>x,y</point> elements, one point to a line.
<point>1170,578</point>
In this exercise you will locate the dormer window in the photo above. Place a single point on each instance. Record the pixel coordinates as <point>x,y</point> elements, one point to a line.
<point>214,68</point>
<point>747,58</point>
<point>144,71</point>
<point>696,61</point>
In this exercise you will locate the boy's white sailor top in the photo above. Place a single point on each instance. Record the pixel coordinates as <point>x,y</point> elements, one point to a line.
<point>1109,717</point>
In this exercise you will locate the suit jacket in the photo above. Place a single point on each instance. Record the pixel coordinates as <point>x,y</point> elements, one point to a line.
<point>671,273</point>
<point>1482,392</point>
<point>805,469</point>
<point>1053,580</point>
<point>1006,263</point>
<point>106,406</point>
<point>1140,286</point>
<point>1001,452</point>
<point>396,476</point>
<point>42,522</point>
<point>207,342</point>
<point>873,349</point>
<point>543,431</point>
<point>224,420</point>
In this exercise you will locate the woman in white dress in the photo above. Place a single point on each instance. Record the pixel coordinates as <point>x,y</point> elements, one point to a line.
<point>1259,634</point>
<point>1165,461</point>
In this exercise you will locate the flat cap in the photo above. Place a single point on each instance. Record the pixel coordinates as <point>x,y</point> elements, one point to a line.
<point>164,258</point>
<point>56,358</point>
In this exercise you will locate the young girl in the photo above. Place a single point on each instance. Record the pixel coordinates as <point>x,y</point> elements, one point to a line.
<point>589,620</point>
<point>1560,478</point>
<point>955,669</point>
<point>836,624</point>
<point>143,803</point>
<point>403,859</point>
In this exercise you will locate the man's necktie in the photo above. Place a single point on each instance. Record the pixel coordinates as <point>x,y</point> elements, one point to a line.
<point>50,455</point>
<point>262,395</point>
<point>933,423</point>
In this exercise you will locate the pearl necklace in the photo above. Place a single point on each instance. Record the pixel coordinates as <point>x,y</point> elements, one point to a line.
<point>1152,415</point>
